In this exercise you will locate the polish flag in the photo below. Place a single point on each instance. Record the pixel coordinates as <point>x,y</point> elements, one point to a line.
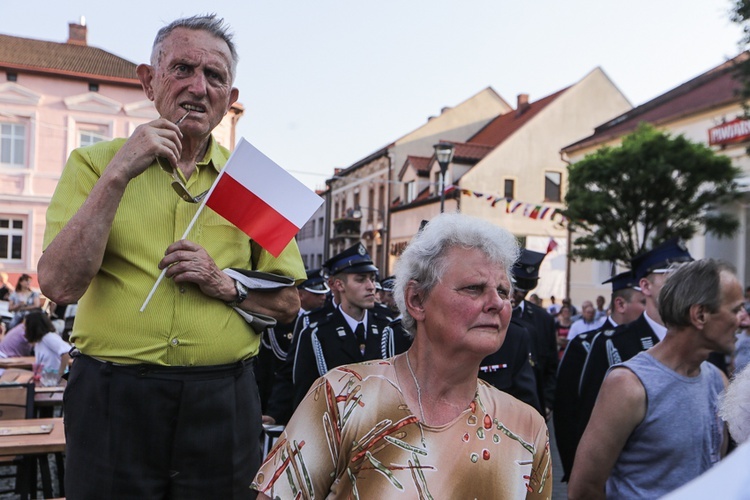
<point>262,199</point>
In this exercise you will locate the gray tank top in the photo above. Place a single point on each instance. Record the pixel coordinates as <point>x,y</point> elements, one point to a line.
<point>680,436</point>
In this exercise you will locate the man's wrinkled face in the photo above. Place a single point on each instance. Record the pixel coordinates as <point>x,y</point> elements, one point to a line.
<point>192,72</point>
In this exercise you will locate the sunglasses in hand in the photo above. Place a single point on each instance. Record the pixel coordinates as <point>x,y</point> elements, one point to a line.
<point>177,184</point>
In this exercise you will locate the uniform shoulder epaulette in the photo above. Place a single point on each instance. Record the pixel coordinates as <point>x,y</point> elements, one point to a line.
<point>312,319</point>
<point>381,312</point>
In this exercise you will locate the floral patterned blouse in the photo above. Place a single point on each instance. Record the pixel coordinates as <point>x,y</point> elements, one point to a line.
<point>354,437</point>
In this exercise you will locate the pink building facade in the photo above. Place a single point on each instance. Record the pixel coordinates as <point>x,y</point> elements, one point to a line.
<point>55,97</point>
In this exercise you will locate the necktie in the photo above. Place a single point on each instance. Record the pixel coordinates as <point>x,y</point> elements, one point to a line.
<point>359,332</point>
<point>516,312</point>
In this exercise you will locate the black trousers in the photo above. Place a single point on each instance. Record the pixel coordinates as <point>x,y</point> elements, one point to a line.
<point>150,432</point>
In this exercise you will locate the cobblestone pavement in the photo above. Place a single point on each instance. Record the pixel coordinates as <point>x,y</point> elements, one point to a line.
<point>9,483</point>
<point>559,489</point>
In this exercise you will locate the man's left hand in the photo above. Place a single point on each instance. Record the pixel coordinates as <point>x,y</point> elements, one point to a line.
<point>189,262</point>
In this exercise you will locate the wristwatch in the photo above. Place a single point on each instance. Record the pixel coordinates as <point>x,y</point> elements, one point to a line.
<point>241,294</point>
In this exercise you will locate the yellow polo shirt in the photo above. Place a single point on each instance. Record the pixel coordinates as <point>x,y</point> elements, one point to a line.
<point>180,326</point>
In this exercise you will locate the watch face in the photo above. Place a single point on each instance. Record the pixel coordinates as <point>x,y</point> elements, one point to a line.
<point>242,289</point>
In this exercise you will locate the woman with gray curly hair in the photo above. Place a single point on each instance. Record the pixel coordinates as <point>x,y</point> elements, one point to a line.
<point>421,424</point>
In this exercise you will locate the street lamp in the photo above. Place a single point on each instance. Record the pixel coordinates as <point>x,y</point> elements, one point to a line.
<point>444,155</point>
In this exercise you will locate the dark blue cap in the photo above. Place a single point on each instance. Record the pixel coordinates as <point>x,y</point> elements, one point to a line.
<point>658,259</point>
<point>315,282</point>
<point>388,283</point>
<point>622,281</point>
<point>354,259</point>
<point>526,269</point>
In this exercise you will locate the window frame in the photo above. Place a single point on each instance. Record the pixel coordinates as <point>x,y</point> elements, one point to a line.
<point>548,183</point>
<point>11,233</point>
<point>12,138</point>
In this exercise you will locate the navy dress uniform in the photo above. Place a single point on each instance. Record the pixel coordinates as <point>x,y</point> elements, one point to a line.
<point>276,341</point>
<point>509,368</point>
<point>540,325</point>
<point>567,418</point>
<point>281,402</point>
<point>327,341</point>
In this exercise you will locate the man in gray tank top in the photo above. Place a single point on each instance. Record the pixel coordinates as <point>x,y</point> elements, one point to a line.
<point>655,425</point>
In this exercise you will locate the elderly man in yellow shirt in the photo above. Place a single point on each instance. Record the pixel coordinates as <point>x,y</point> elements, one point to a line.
<point>163,403</point>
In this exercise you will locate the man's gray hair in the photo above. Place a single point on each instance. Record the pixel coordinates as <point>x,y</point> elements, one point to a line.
<point>423,262</point>
<point>697,282</point>
<point>734,406</point>
<point>209,23</point>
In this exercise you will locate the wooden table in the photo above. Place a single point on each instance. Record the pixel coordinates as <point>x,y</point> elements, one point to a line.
<point>29,445</point>
<point>32,444</point>
<point>25,362</point>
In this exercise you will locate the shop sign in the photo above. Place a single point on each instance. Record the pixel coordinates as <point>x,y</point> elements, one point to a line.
<point>737,130</point>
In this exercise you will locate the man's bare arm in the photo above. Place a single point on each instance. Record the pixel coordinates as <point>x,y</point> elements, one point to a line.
<point>620,407</point>
<point>74,257</point>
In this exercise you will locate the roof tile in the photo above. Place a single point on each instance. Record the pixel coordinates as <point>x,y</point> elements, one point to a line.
<point>502,127</point>
<point>57,57</point>
<point>716,87</point>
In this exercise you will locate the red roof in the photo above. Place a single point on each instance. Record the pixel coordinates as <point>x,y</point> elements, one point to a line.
<point>27,54</point>
<point>420,163</point>
<point>470,152</point>
<point>502,127</point>
<point>714,88</point>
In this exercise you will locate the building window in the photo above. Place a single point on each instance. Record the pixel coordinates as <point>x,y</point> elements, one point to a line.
<point>12,144</point>
<point>410,191</point>
<point>93,87</point>
<point>510,189</point>
<point>320,260</point>
<point>446,183</point>
<point>320,226</point>
<point>11,238</point>
<point>552,182</point>
<point>89,134</point>
<point>12,77</point>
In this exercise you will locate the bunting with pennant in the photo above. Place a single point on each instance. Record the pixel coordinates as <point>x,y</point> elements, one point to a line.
<point>531,210</point>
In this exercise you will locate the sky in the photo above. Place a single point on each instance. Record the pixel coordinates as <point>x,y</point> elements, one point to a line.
<point>325,83</point>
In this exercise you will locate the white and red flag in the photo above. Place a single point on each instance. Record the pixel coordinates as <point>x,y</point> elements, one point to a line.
<point>261,198</point>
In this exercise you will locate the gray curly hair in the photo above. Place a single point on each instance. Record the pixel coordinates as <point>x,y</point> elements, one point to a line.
<point>423,261</point>
<point>734,407</point>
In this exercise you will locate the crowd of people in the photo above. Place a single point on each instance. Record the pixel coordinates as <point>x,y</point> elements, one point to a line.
<point>437,382</point>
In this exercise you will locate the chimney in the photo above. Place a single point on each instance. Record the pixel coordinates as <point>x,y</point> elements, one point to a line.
<point>77,32</point>
<point>523,104</point>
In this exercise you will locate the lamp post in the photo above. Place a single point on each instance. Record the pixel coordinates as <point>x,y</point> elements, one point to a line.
<point>444,155</point>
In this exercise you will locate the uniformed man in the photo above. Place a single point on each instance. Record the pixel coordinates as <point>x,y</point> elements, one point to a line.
<point>387,295</point>
<point>509,368</point>
<point>540,325</point>
<point>628,303</point>
<point>615,346</point>
<point>276,341</point>
<point>349,332</point>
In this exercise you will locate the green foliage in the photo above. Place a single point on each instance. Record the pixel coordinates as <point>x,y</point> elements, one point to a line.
<point>625,199</point>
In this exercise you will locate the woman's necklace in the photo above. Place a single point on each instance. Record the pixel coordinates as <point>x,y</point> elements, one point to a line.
<point>416,384</point>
